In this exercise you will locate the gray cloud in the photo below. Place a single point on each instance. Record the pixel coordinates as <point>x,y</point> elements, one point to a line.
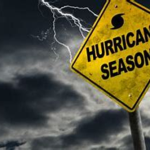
<point>28,99</point>
<point>92,130</point>
<point>45,143</point>
<point>127,143</point>
<point>98,128</point>
<point>147,140</point>
<point>104,148</point>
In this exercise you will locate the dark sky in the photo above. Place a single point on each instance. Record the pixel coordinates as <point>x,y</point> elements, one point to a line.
<point>21,18</point>
<point>41,100</point>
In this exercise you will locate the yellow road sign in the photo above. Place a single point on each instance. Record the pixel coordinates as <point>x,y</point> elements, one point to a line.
<point>115,56</point>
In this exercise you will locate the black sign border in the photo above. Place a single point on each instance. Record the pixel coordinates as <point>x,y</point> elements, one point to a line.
<point>72,66</point>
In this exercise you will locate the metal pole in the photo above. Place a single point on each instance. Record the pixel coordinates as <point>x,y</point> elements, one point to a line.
<point>136,130</point>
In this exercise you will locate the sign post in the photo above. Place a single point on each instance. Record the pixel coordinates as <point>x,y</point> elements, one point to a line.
<point>136,130</point>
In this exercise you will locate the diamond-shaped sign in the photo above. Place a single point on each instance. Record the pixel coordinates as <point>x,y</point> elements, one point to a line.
<point>115,56</point>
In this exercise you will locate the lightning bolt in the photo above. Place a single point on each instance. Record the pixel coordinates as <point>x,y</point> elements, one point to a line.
<point>74,21</point>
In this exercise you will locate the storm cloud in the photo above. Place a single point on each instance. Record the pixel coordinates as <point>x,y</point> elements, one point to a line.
<point>28,99</point>
<point>99,128</point>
